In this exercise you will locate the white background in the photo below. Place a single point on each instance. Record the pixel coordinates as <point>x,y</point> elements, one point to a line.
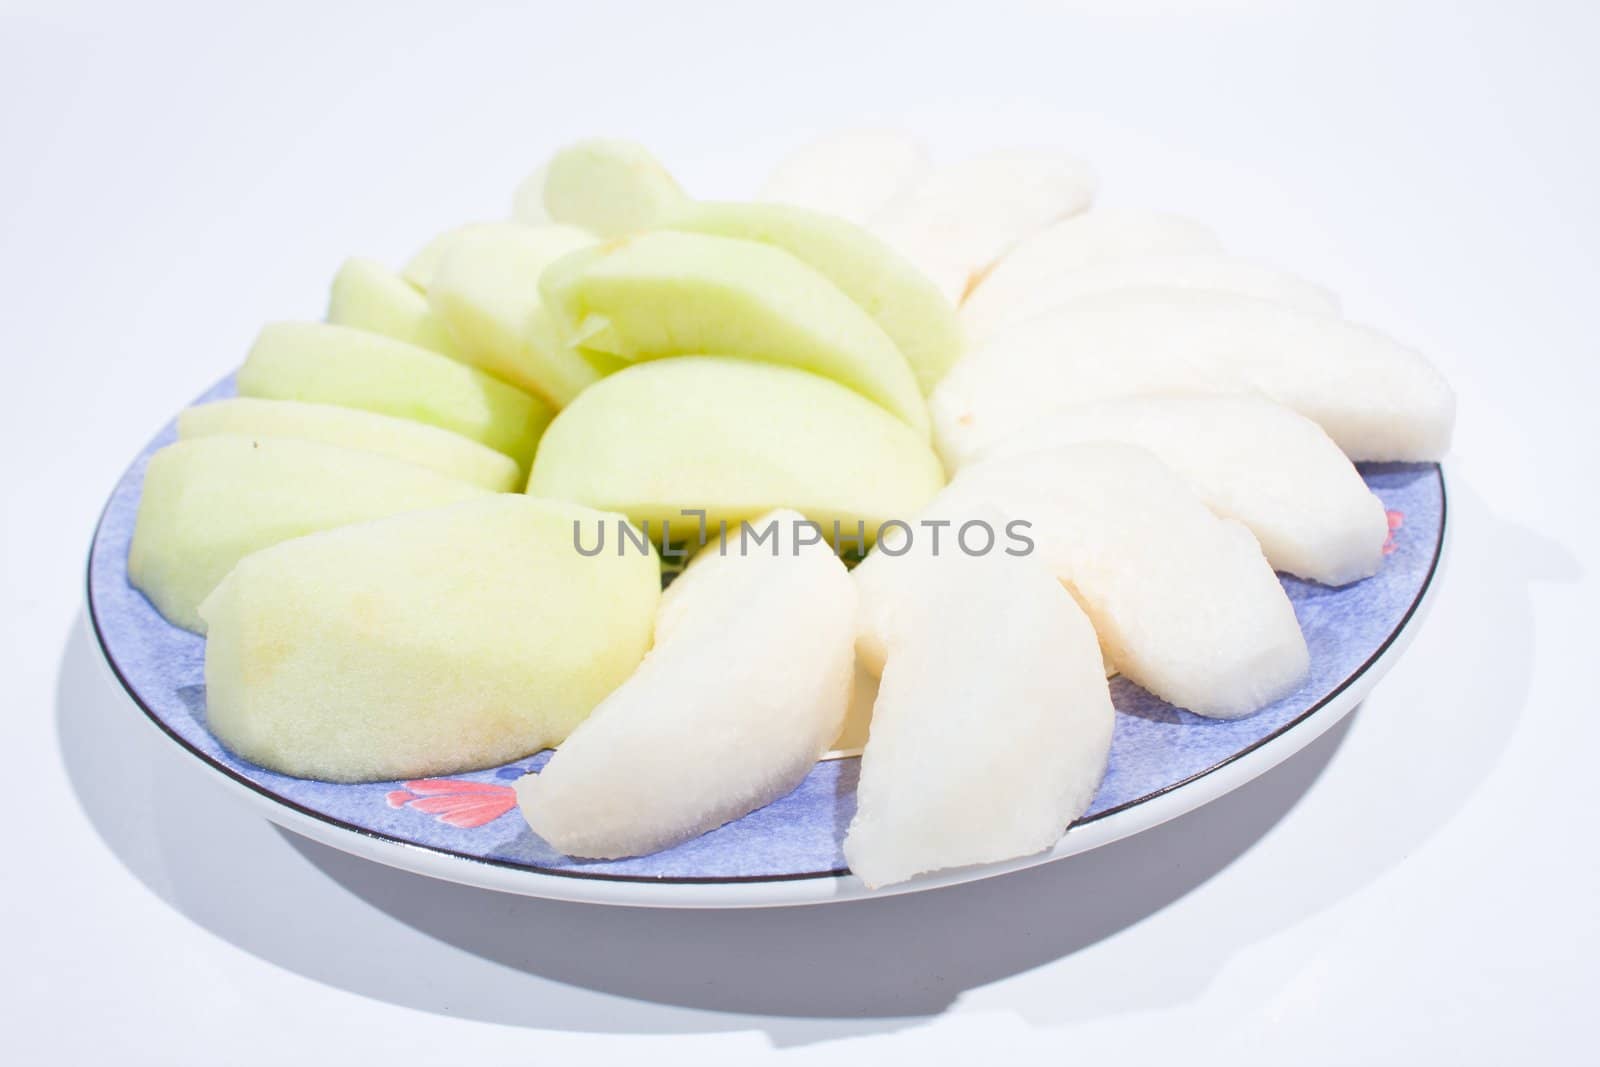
<point>1418,887</point>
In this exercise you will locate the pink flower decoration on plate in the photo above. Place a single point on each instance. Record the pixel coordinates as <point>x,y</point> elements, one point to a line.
<point>1397,519</point>
<point>462,804</point>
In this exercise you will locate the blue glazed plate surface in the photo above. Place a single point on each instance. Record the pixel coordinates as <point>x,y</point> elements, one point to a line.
<point>470,820</point>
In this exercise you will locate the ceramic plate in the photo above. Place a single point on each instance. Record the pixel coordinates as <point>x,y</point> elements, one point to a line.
<point>466,827</point>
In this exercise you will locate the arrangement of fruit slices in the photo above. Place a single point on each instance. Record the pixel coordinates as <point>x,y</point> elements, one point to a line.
<point>1119,430</point>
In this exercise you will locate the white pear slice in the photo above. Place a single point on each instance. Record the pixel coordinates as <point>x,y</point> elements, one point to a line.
<point>210,502</point>
<point>366,431</point>
<point>369,296</point>
<point>992,725</point>
<point>1020,285</point>
<point>904,303</point>
<point>1249,459</point>
<point>1377,399</point>
<point>726,714</point>
<point>1203,270</point>
<point>960,219</point>
<point>781,533</point>
<point>428,643</point>
<point>485,286</point>
<point>1195,270</point>
<point>1184,603</point>
<point>851,174</point>
<point>864,690</point>
<point>852,735</point>
<point>609,187</point>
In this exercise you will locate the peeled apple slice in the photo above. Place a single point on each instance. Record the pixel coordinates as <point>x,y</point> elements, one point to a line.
<point>735,439</point>
<point>992,725</point>
<point>609,187</point>
<point>910,309</point>
<point>367,295</point>
<point>851,174</point>
<point>427,446</point>
<point>1378,400</point>
<point>1183,602</point>
<point>486,288</point>
<point>1249,459</point>
<point>527,202</point>
<point>1196,270</point>
<point>324,364</point>
<point>209,502</point>
<point>960,219</point>
<point>1023,283</point>
<point>677,294</point>
<point>727,713</point>
<point>424,644</point>
<point>418,271</point>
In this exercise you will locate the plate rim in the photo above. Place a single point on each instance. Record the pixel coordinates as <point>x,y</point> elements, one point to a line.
<point>812,887</point>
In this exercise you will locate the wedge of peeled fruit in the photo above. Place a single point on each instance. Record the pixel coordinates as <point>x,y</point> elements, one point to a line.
<point>419,269</point>
<point>734,439</point>
<point>428,643</point>
<point>211,501</point>
<point>608,187</point>
<point>322,364</point>
<point>899,297</point>
<point>1024,282</point>
<point>727,713</point>
<point>439,450</point>
<point>367,295</point>
<point>1249,459</point>
<point>1209,271</point>
<point>675,294</point>
<point>527,200</point>
<point>992,725</point>
<point>959,220</point>
<point>1183,602</point>
<point>851,174</point>
<point>1377,399</point>
<point>485,287</point>
<point>774,533</point>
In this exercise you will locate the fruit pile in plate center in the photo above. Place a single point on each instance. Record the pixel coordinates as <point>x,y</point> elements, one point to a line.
<point>1057,441</point>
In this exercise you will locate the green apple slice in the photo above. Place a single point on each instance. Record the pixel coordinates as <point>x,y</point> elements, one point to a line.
<point>899,297</point>
<point>211,501</point>
<point>419,270</point>
<point>736,439</point>
<point>323,364</point>
<point>486,288</point>
<point>726,714</point>
<point>1032,736</point>
<point>676,294</point>
<point>366,295</point>
<point>527,201</point>
<point>425,644</point>
<point>609,187</point>
<point>415,442</point>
